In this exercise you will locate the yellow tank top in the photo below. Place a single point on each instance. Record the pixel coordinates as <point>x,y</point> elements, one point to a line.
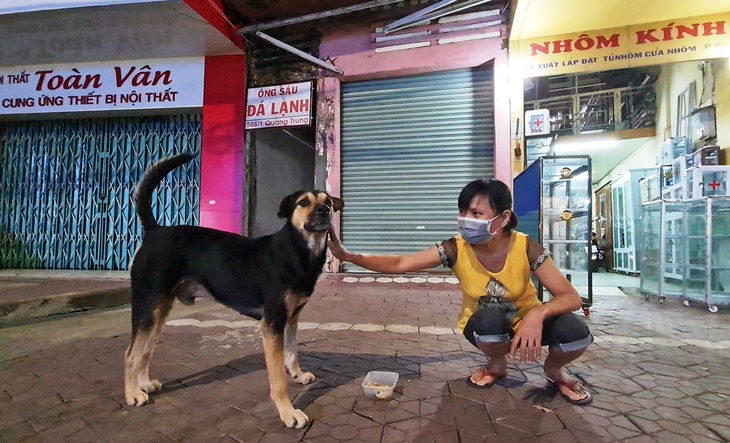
<point>514,277</point>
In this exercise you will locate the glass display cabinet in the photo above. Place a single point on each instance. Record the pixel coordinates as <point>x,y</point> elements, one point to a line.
<point>625,202</point>
<point>538,146</point>
<point>650,188</point>
<point>603,223</point>
<point>661,246</point>
<point>707,181</point>
<point>682,244</point>
<point>553,203</point>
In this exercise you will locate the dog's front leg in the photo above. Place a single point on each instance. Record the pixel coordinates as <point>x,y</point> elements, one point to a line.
<point>291,357</point>
<point>274,353</point>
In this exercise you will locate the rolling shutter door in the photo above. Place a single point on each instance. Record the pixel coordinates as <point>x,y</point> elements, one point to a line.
<point>66,188</point>
<point>409,145</point>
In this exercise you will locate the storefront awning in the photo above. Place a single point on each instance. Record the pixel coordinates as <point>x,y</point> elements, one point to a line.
<point>117,30</point>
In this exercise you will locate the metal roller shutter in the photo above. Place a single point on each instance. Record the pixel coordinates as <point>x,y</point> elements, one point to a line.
<point>66,186</point>
<point>409,145</point>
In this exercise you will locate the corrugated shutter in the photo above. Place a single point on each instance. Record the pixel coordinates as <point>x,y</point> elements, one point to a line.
<point>409,145</point>
<point>66,185</point>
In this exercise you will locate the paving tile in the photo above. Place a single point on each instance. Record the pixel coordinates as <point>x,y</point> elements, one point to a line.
<point>216,386</point>
<point>449,408</point>
<point>372,434</point>
<point>536,423</point>
<point>641,439</point>
<point>670,436</point>
<point>647,426</point>
<point>344,432</point>
<point>586,436</point>
<point>419,430</point>
<point>275,437</point>
<point>696,412</point>
<point>18,432</point>
<point>701,430</point>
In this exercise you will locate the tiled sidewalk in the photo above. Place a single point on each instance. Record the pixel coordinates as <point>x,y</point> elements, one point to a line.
<point>658,373</point>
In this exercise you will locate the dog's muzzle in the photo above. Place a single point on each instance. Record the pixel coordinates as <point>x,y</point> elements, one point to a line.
<point>319,220</point>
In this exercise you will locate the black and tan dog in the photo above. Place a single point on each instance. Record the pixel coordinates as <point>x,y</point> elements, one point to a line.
<point>269,278</point>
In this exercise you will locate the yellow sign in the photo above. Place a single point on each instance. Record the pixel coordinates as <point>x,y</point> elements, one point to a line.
<point>693,38</point>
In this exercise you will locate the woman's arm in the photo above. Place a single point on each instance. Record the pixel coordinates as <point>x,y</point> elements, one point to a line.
<point>565,299</point>
<point>391,264</point>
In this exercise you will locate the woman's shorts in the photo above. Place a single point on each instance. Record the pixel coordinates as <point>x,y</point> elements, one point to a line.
<point>565,332</point>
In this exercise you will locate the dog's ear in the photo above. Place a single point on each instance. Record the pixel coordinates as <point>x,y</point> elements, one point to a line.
<point>337,203</point>
<point>286,207</point>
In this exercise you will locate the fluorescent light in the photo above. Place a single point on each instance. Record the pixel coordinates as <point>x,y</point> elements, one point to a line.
<point>583,147</point>
<point>465,38</point>
<point>402,47</point>
<point>469,27</point>
<point>469,16</point>
<point>402,36</point>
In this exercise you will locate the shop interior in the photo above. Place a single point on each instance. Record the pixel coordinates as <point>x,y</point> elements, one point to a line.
<point>633,177</point>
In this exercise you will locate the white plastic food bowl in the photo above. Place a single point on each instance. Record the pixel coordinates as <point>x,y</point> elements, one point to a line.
<point>379,384</point>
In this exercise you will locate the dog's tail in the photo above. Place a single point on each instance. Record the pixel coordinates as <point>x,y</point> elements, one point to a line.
<point>152,178</point>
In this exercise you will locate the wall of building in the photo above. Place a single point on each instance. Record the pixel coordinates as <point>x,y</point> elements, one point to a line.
<point>349,48</point>
<point>721,75</point>
<point>222,162</point>
<point>672,81</point>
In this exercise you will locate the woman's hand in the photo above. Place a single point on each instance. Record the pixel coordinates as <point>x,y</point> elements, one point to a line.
<point>336,246</point>
<point>389,264</point>
<point>528,337</point>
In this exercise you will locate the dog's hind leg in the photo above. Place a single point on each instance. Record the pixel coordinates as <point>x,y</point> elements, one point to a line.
<point>274,353</point>
<point>146,328</point>
<point>159,319</point>
<point>291,357</point>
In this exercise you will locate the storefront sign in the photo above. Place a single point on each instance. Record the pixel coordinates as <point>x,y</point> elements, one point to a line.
<point>692,38</point>
<point>279,105</point>
<point>126,85</point>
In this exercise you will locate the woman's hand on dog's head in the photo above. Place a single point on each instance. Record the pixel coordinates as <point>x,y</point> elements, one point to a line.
<point>336,246</point>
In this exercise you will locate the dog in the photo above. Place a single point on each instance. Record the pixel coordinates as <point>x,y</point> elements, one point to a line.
<point>269,278</point>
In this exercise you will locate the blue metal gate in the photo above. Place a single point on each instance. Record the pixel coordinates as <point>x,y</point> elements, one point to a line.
<point>66,188</point>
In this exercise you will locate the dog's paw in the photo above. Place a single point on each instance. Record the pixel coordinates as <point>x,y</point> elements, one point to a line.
<point>152,386</point>
<point>294,418</point>
<point>136,398</point>
<point>304,378</point>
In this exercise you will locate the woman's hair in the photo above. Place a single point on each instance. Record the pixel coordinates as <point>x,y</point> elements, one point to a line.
<point>498,194</point>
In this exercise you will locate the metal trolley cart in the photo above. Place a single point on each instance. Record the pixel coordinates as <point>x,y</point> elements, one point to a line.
<point>553,202</point>
<point>685,246</point>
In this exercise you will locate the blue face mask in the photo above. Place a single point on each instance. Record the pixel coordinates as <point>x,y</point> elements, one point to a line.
<point>474,230</point>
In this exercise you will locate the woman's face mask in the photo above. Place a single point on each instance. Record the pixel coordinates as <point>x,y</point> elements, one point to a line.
<point>475,230</point>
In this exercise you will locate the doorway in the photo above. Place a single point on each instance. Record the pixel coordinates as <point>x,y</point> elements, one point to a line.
<point>280,161</point>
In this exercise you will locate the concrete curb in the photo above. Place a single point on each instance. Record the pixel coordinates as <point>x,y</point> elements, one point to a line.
<point>14,313</point>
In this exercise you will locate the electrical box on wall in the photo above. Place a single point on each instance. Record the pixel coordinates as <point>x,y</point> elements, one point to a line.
<point>703,124</point>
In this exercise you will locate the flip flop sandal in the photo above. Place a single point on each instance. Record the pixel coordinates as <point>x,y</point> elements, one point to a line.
<point>484,373</point>
<point>574,386</point>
